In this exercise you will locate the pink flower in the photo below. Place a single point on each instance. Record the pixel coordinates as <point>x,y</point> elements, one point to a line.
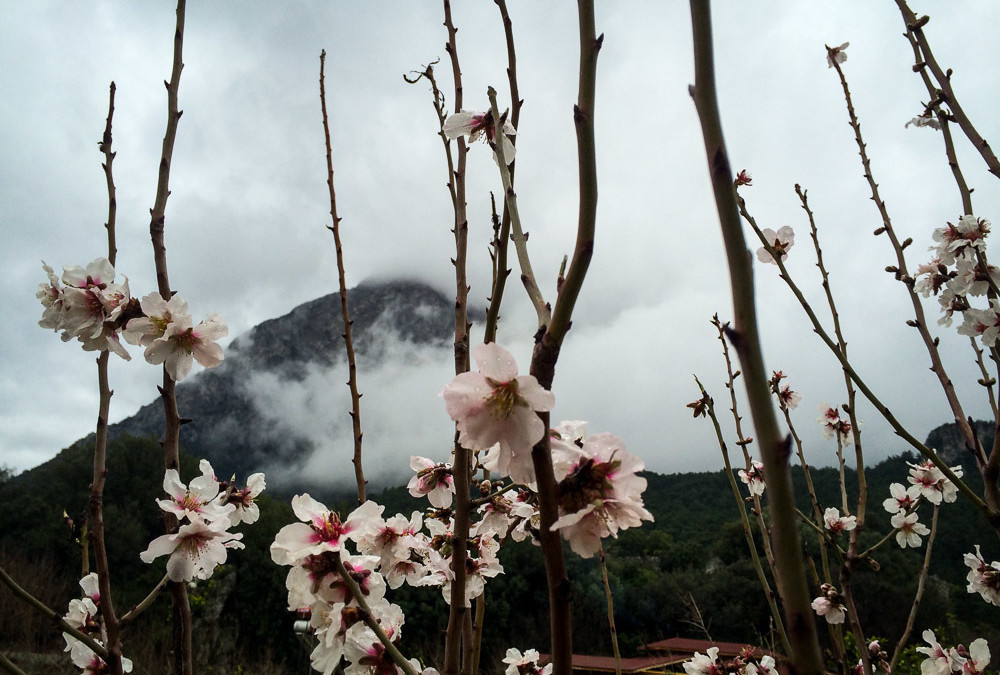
<point>780,241</point>
<point>833,612</point>
<point>837,523</point>
<point>244,500</point>
<point>910,530</point>
<point>836,54</point>
<point>599,491</point>
<point>322,530</point>
<point>902,499</point>
<point>432,479</point>
<point>181,344</point>
<point>940,661</point>
<point>524,664</point>
<point>201,499</point>
<point>476,124</point>
<point>495,405</point>
<point>195,550</point>
<point>159,315</point>
<point>983,577</point>
<point>754,478</point>
<point>704,664</point>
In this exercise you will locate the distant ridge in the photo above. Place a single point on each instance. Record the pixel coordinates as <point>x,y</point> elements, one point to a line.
<point>225,428</point>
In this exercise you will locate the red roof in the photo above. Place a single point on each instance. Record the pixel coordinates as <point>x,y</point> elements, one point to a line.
<point>638,664</point>
<point>680,645</point>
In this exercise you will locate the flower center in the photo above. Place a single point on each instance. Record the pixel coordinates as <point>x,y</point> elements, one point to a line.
<point>504,399</point>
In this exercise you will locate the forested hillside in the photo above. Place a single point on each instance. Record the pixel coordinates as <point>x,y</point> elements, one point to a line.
<point>692,559</point>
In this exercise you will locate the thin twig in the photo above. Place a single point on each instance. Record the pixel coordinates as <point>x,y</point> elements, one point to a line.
<point>455,646</point>
<point>95,516</point>
<point>915,26</point>
<point>924,569</point>
<point>183,664</point>
<point>370,621</point>
<point>745,522</point>
<point>602,559</point>
<point>9,665</point>
<point>51,615</point>
<point>133,613</point>
<point>352,368</point>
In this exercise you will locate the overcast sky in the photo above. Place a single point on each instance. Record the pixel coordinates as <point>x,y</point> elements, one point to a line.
<point>246,231</point>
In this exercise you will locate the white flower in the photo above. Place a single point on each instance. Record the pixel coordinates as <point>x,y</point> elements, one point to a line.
<point>524,664</point>
<point>829,610</point>
<point>984,323</point>
<point>245,500</point>
<point>939,661</point>
<point>932,484</point>
<point>963,240</point>
<point>837,523</point>
<point>599,491</point>
<point>476,124</point>
<point>200,499</point>
<point>432,479</point>
<point>158,315</point>
<point>495,405</point>
<point>983,577</point>
<point>780,241</point>
<point>181,344</point>
<point>84,658</point>
<point>925,119</point>
<point>902,499</point>
<point>836,54</point>
<point>322,530</point>
<point>704,664</point>
<point>754,478</point>
<point>195,550</point>
<point>910,530</point>
<point>979,658</point>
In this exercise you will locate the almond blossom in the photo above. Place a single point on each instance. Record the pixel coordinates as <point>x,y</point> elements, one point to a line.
<point>909,529</point>
<point>158,314</point>
<point>835,427</point>
<point>496,405</point>
<point>181,344</point>
<point>754,478</point>
<point>780,241</point>
<point>836,54</point>
<point>432,479</point>
<point>837,523</point>
<point>902,499</point>
<point>322,529</point>
<point>599,491</point>
<point>524,664</point>
<point>939,661</point>
<point>965,239</point>
<point>978,659</point>
<point>983,577</point>
<point>983,323</point>
<point>201,498</point>
<point>195,549</point>
<point>828,605</point>
<point>932,484</point>
<point>704,664</point>
<point>480,124</point>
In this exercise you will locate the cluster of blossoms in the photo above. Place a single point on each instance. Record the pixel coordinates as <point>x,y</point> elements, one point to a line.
<point>746,663</point>
<point>205,510</point>
<point>87,304</point>
<point>941,661</point>
<point>84,616</point>
<point>927,483</point>
<point>834,427</point>
<point>931,483</point>
<point>476,125</point>
<point>495,413</point>
<point>388,553</point>
<point>958,272</point>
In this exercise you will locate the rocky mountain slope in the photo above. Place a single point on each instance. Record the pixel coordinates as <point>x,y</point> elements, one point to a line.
<point>230,424</point>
